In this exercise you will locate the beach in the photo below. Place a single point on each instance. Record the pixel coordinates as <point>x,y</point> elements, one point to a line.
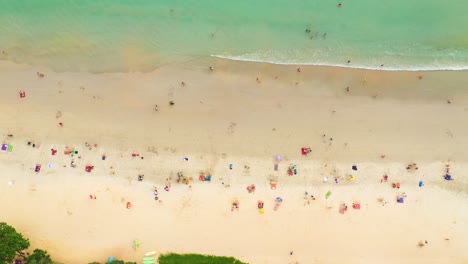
<point>235,123</point>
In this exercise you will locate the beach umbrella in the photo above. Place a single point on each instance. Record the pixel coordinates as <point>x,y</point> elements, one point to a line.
<point>110,259</point>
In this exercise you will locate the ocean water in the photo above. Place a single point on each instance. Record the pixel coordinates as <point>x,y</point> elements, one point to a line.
<point>141,35</point>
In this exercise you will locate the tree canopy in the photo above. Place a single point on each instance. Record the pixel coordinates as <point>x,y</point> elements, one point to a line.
<point>39,256</point>
<point>11,242</point>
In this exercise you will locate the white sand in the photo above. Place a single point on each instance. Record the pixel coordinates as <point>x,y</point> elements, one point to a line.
<point>221,118</point>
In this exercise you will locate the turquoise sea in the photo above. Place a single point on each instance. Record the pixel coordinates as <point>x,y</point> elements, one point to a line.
<point>141,35</point>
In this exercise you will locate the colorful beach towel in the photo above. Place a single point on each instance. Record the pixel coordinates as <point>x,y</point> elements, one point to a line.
<point>4,147</point>
<point>328,194</point>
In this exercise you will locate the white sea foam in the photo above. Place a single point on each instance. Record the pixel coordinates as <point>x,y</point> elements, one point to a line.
<point>427,67</point>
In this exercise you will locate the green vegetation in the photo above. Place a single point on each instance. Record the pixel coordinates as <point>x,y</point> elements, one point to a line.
<point>39,256</point>
<point>115,262</point>
<point>172,258</point>
<point>11,243</point>
<point>121,262</point>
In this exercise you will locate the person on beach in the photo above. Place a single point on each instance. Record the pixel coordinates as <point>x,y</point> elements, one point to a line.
<point>235,205</point>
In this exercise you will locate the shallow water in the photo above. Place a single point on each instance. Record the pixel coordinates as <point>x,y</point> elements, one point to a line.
<point>109,36</point>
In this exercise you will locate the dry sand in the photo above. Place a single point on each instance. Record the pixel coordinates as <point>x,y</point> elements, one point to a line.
<point>224,117</point>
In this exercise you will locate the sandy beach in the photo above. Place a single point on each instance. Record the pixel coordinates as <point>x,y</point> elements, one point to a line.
<point>232,123</point>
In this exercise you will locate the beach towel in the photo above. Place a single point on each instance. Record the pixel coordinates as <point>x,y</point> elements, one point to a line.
<point>354,167</point>
<point>4,147</point>
<point>277,204</point>
<point>38,168</point>
<point>275,167</point>
<point>304,151</point>
<point>148,258</point>
<point>207,178</point>
<point>448,177</point>
<point>400,200</point>
<point>328,194</point>
<point>357,206</point>
<point>136,244</point>
<point>278,158</point>
<point>89,168</point>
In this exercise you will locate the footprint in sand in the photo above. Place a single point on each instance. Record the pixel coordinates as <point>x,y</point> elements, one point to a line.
<point>231,128</point>
<point>153,149</point>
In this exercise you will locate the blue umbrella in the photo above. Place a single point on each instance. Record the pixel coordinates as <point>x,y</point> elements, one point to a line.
<point>110,259</point>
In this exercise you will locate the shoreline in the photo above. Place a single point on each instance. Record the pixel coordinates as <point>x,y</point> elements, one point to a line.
<point>337,65</point>
<point>225,117</point>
